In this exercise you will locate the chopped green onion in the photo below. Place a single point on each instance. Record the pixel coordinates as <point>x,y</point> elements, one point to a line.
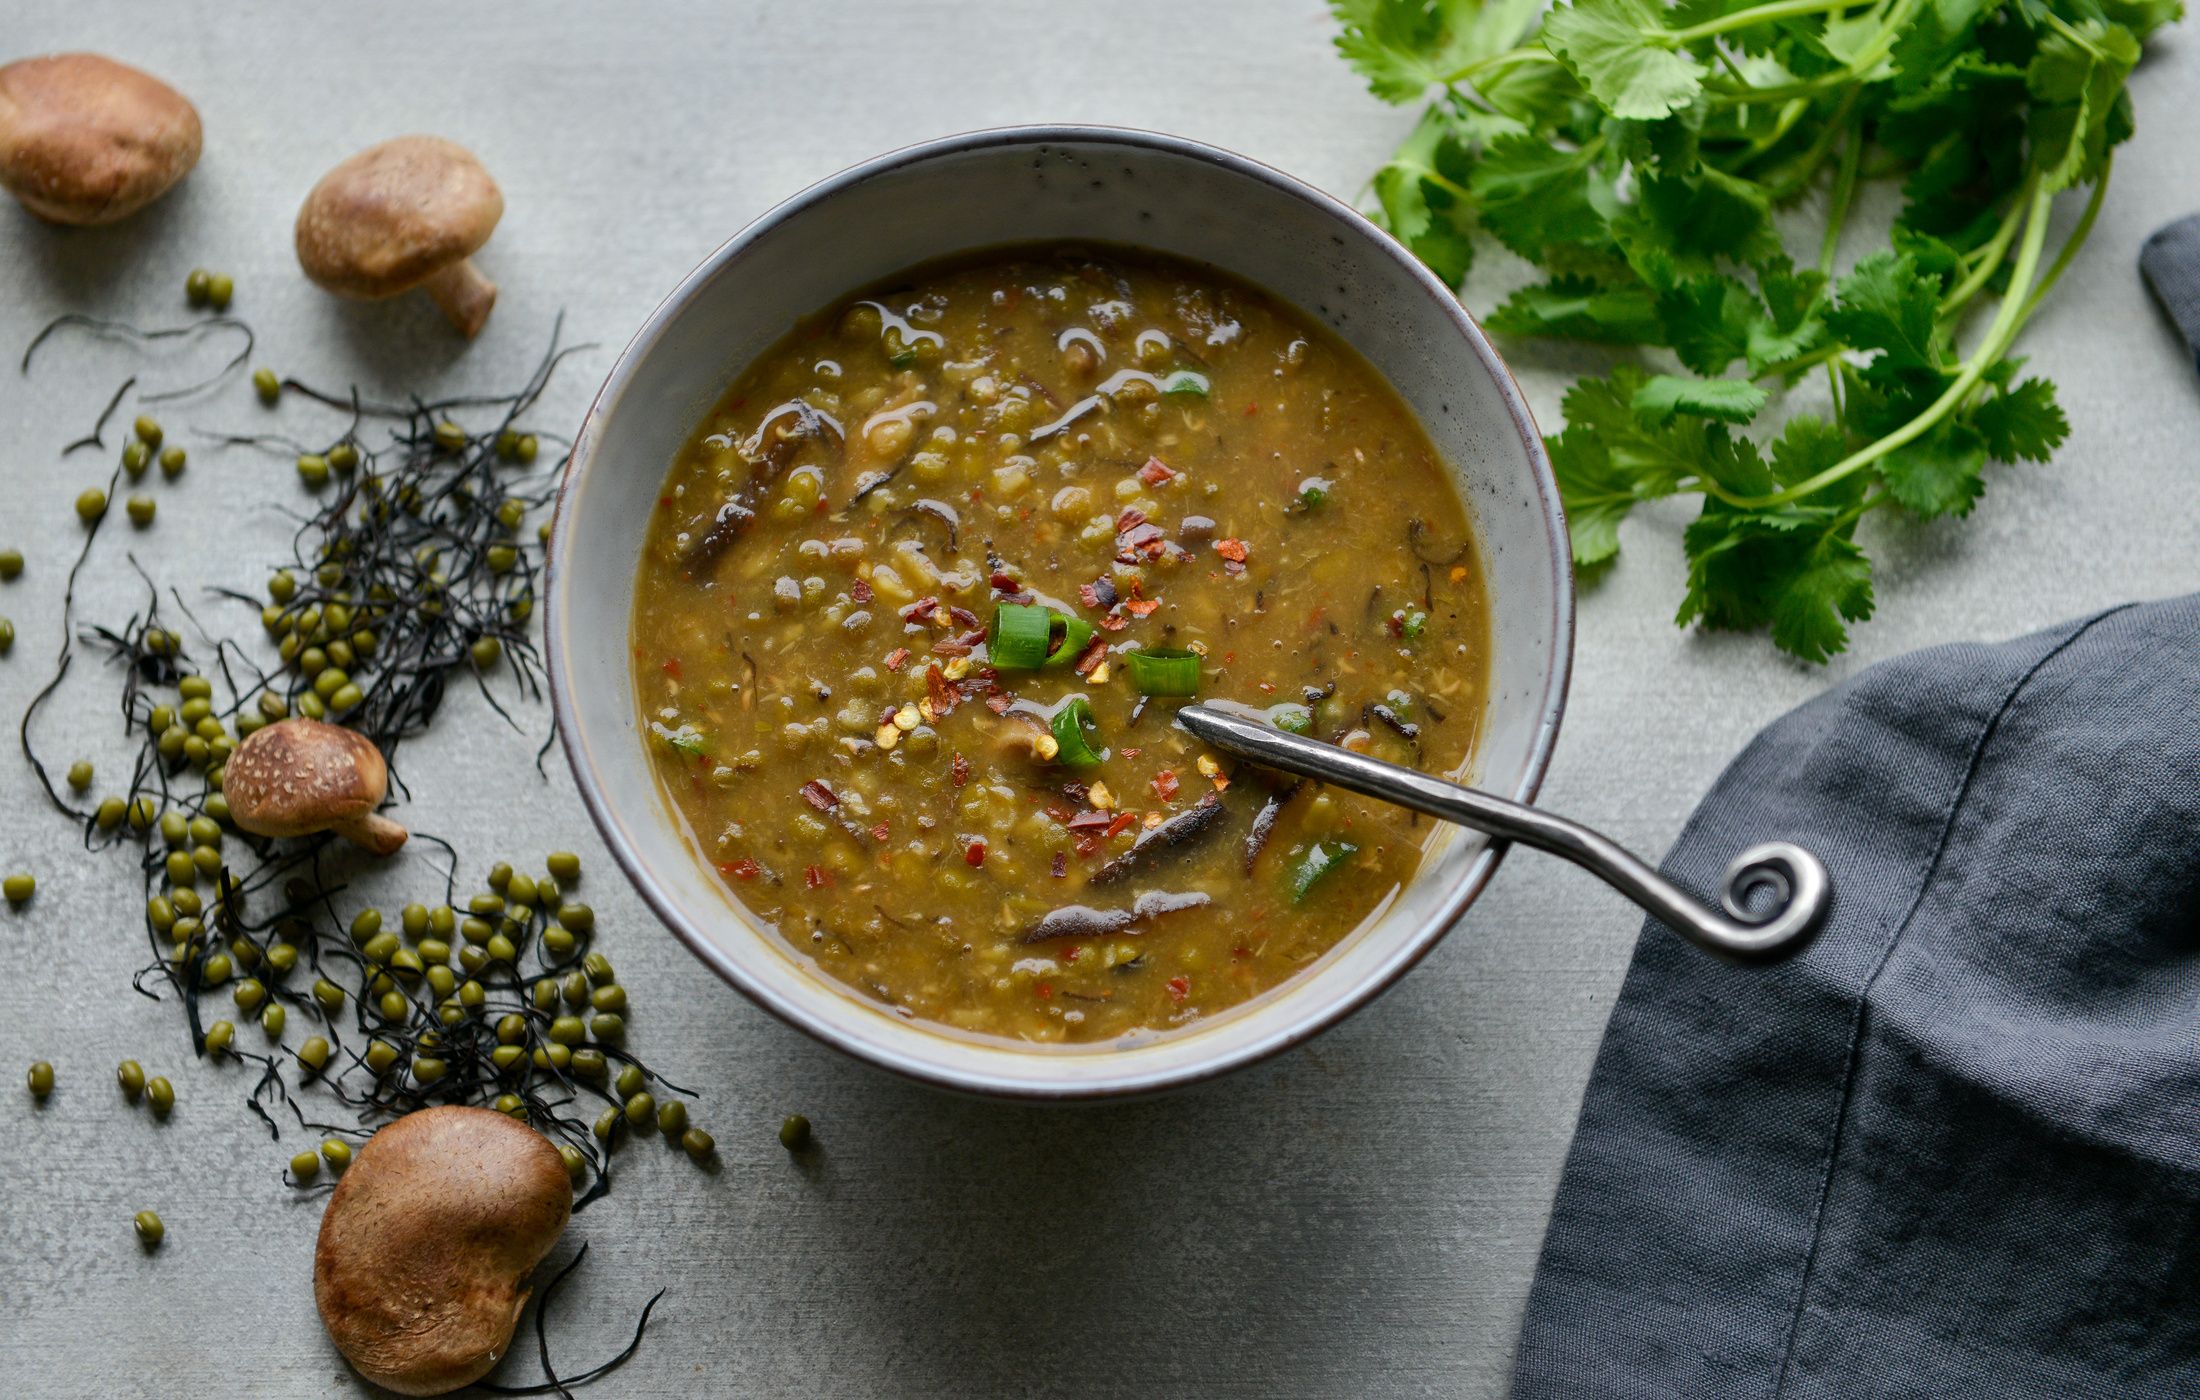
<point>1026,636</point>
<point>1320,858</point>
<point>1313,492</point>
<point>1018,641</point>
<point>1185,381</point>
<point>1291,718</point>
<point>1075,633</point>
<point>902,359</point>
<point>1070,723</point>
<point>1163,671</point>
<point>1414,622</point>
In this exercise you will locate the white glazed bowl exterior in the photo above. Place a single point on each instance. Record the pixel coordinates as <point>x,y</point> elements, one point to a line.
<point>1072,184</point>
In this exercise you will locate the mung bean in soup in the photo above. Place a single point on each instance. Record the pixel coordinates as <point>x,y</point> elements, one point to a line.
<point>922,594</point>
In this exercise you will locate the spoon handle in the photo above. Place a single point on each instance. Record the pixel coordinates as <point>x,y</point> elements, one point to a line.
<point>1797,878</point>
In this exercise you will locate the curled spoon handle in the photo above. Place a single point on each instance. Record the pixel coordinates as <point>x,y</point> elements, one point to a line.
<point>1797,878</point>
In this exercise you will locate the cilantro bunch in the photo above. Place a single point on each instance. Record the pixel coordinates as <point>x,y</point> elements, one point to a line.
<point>1636,151</point>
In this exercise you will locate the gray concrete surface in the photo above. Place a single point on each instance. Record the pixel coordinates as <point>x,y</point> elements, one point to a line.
<point>1360,1218</point>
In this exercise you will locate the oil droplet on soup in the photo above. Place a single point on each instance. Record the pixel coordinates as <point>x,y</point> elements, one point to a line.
<point>907,589</point>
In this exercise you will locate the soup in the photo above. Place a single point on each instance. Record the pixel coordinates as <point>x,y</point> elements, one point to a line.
<point>924,590</point>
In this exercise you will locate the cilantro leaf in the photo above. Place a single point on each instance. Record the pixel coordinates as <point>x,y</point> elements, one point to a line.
<point>1886,304</point>
<point>1682,225</point>
<point>1596,492</point>
<point>1726,400</point>
<point>1533,194</point>
<point>1624,56</point>
<point>2076,80</point>
<point>1795,570</point>
<point>2022,424</point>
<point>1797,301</point>
<point>1939,473</point>
<point>1417,200</point>
<point>1709,322</point>
<point>1405,47</point>
<point>1576,308</point>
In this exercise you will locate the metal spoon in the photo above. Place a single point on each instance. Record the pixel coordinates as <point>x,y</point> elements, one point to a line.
<point>1797,878</point>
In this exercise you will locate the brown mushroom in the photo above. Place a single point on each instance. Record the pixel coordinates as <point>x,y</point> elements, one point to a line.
<point>426,1245</point>
<point>407,213</point>
<point>301,776</point>
<point>87,140</point>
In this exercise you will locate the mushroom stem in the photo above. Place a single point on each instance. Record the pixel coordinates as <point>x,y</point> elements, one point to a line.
<point>464,294</point>
<point>372,831</point>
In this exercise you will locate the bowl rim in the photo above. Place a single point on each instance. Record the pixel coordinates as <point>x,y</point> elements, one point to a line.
<point>1070,1086</point>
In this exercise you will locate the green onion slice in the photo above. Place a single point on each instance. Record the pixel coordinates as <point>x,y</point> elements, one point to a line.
<point>1075,633</point>
<point>1185,381</point>
<point>1163,671</point>
<point>1018,641</point>
<point>1291,718</point>
<point>1026,636</point>
<point>1320,859</point>
<point>1070,725</point>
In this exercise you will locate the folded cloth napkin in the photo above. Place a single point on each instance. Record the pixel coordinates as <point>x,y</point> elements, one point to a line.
<point>2170,261</point>
<point>1953,1148</point>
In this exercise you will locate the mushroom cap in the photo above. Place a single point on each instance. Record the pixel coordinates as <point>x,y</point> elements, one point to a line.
<point>87,140</point>
<point>427,1242</point>
<point>394,215</point>
<point>300,776</point>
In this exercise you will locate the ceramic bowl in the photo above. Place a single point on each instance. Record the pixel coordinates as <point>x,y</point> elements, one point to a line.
<point>1073,184</point>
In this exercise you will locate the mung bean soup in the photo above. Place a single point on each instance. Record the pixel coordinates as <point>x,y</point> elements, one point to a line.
<point>922,594</point>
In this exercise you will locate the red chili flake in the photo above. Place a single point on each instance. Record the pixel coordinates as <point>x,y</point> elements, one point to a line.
<point>1164,783</point>
<point>819,796</point>
<point>1251,409</point>
<point>742,869</point>
<point>1094,651</point>
<point>974,853</point>
<point>943,696</point>
<point>1075,791</point>
<point>1179,988</point>
<point>964,616</point>
<point>881,832</point>
<point>896,658</point>
<point>1086,845</point>
<point>1089,821</point>
<point>1141,537</point>
<point>860,591</point>
<point>921,610</point>
<point>1129,520</point>
<point>816,877</point>
<point>1006,583</point>
<point>1114,622</point>
<point>1057,811</point>
<point>1071,954</point>
<point>672,667</point>
<point>1142,607</point>
<point>1061,866</point>
<point>1232,550</point>
<point>1155,471</point>
<point>959,770</point>
<point>1132,753</point>
<point>1123,822</point>
<point>998,704</point>
<point>1090,595</point>
<point>1045,990</point>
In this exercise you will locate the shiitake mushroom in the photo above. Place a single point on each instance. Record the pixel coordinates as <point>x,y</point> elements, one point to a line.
<point>425,1248</point>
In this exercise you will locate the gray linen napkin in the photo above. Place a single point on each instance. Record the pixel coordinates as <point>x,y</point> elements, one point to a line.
<point>1953,1149</point>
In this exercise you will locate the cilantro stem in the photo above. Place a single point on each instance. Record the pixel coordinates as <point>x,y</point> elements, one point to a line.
<point>1806,169</point>
<point>1837,208</point>
<point>1751,17</point>
<point>2077,236</point>
<point>2014,307</point>
<point>1989,257</point>
<point>1510,58</point>
<point>1430,174</point>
